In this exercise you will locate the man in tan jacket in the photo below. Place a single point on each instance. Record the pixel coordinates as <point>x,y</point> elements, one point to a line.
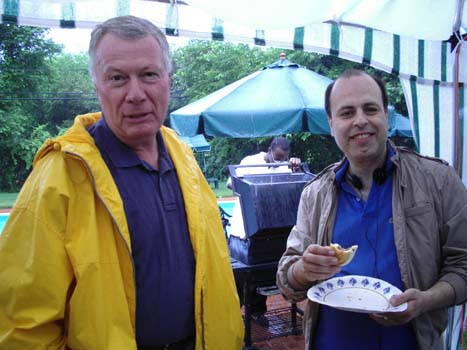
<point>406,213</point>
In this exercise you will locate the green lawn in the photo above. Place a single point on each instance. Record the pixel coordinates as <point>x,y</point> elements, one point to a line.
<point>222,191</point>
<point>7,199</point>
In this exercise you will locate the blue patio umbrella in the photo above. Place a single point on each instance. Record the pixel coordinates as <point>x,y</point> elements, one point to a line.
<point>281,98</point>
<point>278,99</point>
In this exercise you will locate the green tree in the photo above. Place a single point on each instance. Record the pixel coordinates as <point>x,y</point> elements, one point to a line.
<point>70,90</point>
<point>24,52</point>
<point>332,67</point>
<point>202,67</point>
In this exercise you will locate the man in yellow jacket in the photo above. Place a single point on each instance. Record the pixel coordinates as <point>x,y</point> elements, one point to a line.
<point>115,241</point>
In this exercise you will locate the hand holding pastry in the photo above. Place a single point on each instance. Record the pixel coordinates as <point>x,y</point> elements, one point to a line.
<point>344,255</point>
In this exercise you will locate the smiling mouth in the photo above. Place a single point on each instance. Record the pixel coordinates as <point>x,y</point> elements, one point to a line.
<point>361,136</point>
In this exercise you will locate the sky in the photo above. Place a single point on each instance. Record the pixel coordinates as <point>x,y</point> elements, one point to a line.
<point>77,40</point>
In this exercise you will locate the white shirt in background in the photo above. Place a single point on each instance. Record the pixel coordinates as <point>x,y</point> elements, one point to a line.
<point>236,221</point>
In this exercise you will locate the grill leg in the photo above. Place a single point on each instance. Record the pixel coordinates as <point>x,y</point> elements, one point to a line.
<point>293,316</point>
<point>247,314</point>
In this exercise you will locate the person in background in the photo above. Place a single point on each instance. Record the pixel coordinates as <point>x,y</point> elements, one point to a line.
<point>407,213</point>
<point>278,152</point>
<point>115,241</point>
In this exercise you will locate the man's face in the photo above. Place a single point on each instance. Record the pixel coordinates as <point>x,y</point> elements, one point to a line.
<point>278,155</point>
<point>359,121</point>
<point>133,87</point>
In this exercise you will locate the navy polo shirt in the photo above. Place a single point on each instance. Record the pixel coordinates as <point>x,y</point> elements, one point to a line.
<point>161,247</point>
<point>369,225</point>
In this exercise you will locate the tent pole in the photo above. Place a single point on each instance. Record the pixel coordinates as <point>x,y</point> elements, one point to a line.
<point>457,151</point>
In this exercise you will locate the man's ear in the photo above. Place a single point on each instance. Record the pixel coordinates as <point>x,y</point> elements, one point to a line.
<point>330,125</point>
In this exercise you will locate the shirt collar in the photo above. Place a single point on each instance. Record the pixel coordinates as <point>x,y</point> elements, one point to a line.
<point>340,173</point>
<point>123,156</point>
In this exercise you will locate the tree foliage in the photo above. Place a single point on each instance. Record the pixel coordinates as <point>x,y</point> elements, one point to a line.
<point>202,67</point>
<point>71,88</point>
<point>24,53</point>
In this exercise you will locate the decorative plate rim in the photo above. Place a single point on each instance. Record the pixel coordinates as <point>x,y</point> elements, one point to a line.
<point>318,292</point>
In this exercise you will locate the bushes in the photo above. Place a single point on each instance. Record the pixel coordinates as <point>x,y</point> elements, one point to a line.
<point>317,151</point>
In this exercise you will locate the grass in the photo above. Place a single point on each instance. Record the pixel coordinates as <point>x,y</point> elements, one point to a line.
<point>8,199</point>
<point>222,191</point>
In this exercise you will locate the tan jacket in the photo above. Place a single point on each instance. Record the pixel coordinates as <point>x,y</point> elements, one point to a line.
<point>66,268</point>
<point>430,223</point>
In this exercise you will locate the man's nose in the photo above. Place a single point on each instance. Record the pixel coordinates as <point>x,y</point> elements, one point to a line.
<point>360,118</point>
<point>135,93</point>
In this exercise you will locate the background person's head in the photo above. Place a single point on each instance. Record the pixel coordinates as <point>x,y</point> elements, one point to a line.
<point>130,65</point>
<point>128,27</point>
<point>358,117</point>
<point>279,150</point>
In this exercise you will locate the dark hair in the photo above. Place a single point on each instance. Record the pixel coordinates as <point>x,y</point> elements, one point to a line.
<point>352,73</point>
<point>129,28</point>
<point>280,142</point>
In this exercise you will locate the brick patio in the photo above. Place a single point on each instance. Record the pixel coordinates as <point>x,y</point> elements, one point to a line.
<point>277,308</point>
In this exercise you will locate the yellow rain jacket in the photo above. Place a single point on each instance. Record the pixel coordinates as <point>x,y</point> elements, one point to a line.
<point>66,270</point>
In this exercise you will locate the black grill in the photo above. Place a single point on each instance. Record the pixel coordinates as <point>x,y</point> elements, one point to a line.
<point>269,204</point>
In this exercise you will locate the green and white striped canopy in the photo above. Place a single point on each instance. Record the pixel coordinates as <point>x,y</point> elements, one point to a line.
<point>421,41</point>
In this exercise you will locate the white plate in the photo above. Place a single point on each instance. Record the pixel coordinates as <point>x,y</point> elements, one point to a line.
<point>356,293</point>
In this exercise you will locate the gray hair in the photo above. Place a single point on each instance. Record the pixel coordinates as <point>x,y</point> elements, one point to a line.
<point>127,27</point>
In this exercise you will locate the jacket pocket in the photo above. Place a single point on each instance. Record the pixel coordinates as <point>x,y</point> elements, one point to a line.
<point>422,209</point>
<point>423,244</point>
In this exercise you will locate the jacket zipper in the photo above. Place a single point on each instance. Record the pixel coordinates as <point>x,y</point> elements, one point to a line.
<point>203,339</point>
<point>111,216</point>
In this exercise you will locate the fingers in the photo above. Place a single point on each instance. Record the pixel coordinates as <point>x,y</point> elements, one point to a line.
<point>413,298</point>
<point>406,296</point>
<point>383,319</point>
<point>319,263</point>
<point>294,163</point>
<point>392,318</point>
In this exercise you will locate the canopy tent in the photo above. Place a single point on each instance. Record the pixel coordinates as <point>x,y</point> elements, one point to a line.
<point>198,143</point>
<point>422,41</point>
